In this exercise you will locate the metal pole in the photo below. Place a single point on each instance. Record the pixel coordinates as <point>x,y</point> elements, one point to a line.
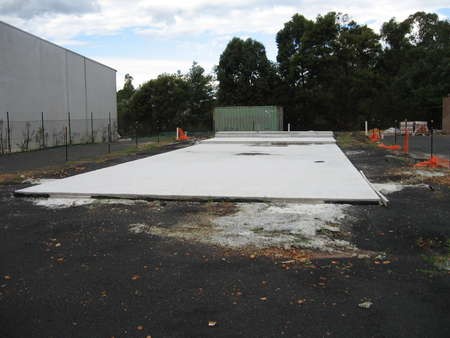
<point>42,130</point>
<point>8,132</point>
<point>65,141</point>
<point>136,133</point>
<point>109,133</point>
<point>70,129</point>
<point>431,141</point>
<point>395,132</point>
<point>92,127</point>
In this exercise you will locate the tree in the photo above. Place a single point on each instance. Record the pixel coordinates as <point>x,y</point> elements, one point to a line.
<point>174,100</point>
<point>160,104</point>
<point>200,97</point>
<point>123,109</point>
<point>415,66</point>
<point>245,74</point>
<point>327,66</point>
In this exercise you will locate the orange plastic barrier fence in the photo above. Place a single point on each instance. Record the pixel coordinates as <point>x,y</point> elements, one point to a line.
<point>393,147</point>
<point>434,162</point>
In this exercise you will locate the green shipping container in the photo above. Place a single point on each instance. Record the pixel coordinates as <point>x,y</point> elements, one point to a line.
<point>248,118</point>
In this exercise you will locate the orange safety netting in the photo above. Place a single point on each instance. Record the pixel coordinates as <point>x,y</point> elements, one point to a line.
<point>181,135</point>
<point>393,147</point>
<point>434,162</point>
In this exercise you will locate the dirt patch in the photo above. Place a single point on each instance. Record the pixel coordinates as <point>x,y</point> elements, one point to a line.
<point>243,226</point>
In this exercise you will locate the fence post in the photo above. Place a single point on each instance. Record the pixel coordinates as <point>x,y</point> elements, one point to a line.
<point>431,140</point>
<point>42,130</point>
<point>8,132</point>
<point>66,142</point>
<point>406,138</point>
<point>1,137</point>
<point>109,132</point>
<point>395,132</point>
<point>70,129</point>
<point>92,128</point>
<point>136,133</point>
<point>27,141</point>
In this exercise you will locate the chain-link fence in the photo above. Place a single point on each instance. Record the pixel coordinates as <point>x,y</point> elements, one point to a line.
<point>16,136</point>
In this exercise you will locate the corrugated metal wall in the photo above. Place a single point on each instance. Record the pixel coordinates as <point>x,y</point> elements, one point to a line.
<point>248,118</point>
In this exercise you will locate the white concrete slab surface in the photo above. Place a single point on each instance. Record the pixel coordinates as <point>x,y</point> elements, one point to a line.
<point>315,172</point>
<point>274,133</point>
<point>270,140</point>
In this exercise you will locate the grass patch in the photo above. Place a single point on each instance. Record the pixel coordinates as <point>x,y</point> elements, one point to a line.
<point>352,139</point>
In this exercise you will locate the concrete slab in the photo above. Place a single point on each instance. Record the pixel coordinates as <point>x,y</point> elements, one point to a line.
<point>271,140</point>
<point>206,171</point>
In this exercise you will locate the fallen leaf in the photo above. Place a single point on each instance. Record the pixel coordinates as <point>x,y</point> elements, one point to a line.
<point>386,262</point>
<point>139,327</point>
<point>135,277</point>
<point>57,245</point>
<point>212,323</point>
<point>103,293</point>
<point>263,299</point>
<point>301,301</point>
<point>60,260</point>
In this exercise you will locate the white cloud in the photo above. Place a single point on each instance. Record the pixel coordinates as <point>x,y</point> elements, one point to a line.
<point>175,18</point>
<point>29,8</point>
<point>67,22</point>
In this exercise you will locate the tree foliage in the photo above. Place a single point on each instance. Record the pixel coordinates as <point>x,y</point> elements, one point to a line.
<point>123,107</point>
<point>328,67</point>
<point>245,75</point>
<point>170,101</point>
<point>331,73</point>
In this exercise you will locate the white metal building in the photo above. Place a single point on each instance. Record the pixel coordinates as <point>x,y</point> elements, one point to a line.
<point>45,88</point>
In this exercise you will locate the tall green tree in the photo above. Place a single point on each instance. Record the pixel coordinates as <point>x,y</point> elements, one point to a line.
<point>174,100</point>
<point>245,74</point>
<point>415,67</point>
<point>200,98</point>
<point>328,68</point>
<point>123,105</point>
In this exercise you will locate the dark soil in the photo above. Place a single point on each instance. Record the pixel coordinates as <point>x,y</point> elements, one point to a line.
<point>79,272</point>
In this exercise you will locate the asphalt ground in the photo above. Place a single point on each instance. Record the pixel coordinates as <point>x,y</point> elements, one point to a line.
<point>79,272</point>
<point>420,146</point>
<point>35,159</point>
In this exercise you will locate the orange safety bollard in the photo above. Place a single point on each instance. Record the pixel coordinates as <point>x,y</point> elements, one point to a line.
<point>406,141</point>
<point>375,135</point>
<point>181,136</point>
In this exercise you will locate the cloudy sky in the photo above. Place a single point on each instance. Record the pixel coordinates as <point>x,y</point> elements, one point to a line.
<point>148,37</point>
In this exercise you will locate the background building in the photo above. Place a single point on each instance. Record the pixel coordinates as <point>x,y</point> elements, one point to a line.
<point>45,88</point>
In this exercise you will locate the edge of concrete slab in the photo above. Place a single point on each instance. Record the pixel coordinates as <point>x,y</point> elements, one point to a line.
<point>200,198</point>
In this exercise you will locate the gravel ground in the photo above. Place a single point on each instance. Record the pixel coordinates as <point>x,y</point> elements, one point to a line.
<point>80,272</point>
